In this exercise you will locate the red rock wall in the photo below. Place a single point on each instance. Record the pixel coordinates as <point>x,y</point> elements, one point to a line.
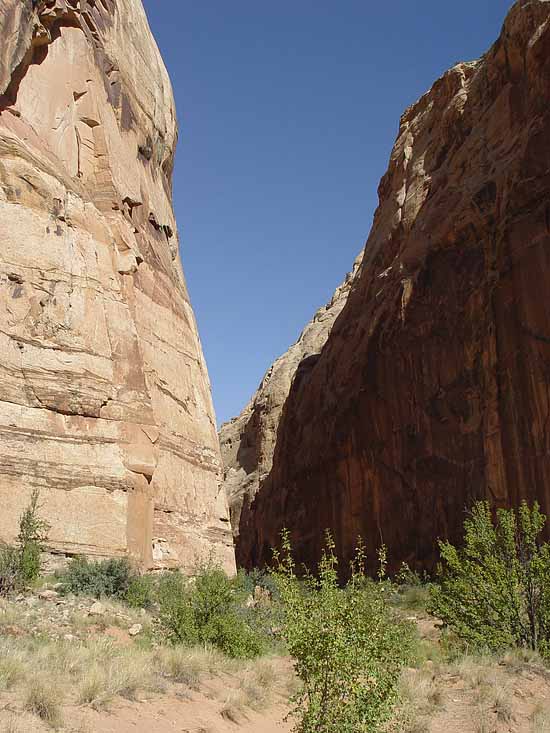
<point>433,389</point>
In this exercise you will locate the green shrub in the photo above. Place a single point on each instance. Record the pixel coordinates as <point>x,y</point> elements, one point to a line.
<point>104,579</point>
<point>347,644</point>
<point>33,533</point>
<point>231,634</point>
<point>176,614</point>
<point>20,564</point>
<point>494,593</point>
<point>206,610</point>
<point>212,594</point>
<point>141,592</point>
<point>9,569</point>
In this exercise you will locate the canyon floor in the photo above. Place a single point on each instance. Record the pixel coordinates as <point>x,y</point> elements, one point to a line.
<point>74,665</point>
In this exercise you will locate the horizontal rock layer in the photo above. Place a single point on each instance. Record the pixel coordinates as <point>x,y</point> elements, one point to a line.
<point>433,389</point>
<point>105,401</point>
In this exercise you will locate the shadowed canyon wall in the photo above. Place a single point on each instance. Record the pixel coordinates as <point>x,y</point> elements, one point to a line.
<point>433,387</point>
<point>105,401</point>
<point>248,441</point>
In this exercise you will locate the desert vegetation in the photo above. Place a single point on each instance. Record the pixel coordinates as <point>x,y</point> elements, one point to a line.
<point>467,647</point>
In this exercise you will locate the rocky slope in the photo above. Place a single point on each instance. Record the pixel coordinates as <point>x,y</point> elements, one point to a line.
<point>104,396</point>
<point>248,441</point>
<point>433,387</point>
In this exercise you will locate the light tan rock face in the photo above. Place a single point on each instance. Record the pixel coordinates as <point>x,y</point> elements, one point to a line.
<point>248,441</point>
<point>105,401</point>
<point>433,388</point>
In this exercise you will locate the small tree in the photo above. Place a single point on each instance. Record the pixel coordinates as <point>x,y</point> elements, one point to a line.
<point>33,533</point>
<point>347,645</point>
<point>20,563</point>
<point>494,593</point>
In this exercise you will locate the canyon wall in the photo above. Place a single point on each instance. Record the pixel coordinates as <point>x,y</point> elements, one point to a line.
<point>248,441</point>
<point>433,388</point>
<point>105,402</point>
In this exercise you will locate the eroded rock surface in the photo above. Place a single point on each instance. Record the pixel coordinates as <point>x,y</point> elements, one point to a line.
<point>433,388</point>
<point>248,441</point>
<point>105,401</point>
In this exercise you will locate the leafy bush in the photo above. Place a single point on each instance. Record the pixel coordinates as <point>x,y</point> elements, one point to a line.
<point>233,636</point>
<point>10,558</point>
<point>212,594</point>
<point>20,564</point>
<point>494,593</point>
<point>141,592</point>
<point>176,614</point>
<point>348,646</point>
<point>33,533</point>
<point>206,610</point>
<point>107,578</point>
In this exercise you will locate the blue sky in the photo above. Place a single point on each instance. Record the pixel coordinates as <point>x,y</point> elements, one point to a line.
<point>288,112</point>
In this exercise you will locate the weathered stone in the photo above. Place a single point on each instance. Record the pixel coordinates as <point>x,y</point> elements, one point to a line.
<point>135,630</point>
<point>105,401</point>
<point>96,609</point>
<point>433,389</point>
<point>248,441</point>
<point>48,595</point>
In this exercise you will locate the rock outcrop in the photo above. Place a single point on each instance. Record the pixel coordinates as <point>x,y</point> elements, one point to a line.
<point>433,388</point>
<point>248,441</point>
<point>105,401</point>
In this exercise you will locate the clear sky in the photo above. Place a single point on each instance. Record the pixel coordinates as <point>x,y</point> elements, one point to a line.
<point>288,111</point>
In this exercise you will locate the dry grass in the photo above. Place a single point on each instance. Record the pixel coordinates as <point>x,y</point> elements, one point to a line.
<point>502,703</point>
<point>258,684</point>
<point>92,669</point>
<point>481,691</point>
<point>10,614</point>
<point>43,698</point>
<point>518,660</point>
<point>481,720</point>
<point>541,719</point>
<point>187,666</point>
<point>420,692</point>
<point>95,670</point>
<point>12,726</point>
<point>119,675</point>
<point>234,707</point>
<point>12,666</point>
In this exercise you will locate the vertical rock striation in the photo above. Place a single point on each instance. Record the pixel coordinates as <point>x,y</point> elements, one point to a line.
<point>433,388</point>
<point>104,395</point>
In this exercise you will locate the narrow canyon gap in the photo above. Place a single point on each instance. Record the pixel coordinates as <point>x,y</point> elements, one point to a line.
<point>429,388</point>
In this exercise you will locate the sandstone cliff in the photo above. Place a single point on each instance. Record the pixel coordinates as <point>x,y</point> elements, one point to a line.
<point>433,388</point>
<point>248,441</point>
<point>104,396</point>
